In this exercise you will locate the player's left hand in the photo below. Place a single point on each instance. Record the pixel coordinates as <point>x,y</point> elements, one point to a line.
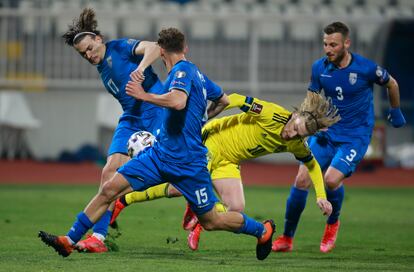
<point>134,89</point>
<point>325,206</point>
<point>396,117</point>
<point>138,75</point>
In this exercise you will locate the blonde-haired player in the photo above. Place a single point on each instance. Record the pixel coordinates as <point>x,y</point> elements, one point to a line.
<point>261,129</point>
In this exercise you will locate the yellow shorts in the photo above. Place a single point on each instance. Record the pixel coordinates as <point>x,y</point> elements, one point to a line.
<point>218,166</point>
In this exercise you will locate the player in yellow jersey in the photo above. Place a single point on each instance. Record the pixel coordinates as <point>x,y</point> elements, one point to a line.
<point>261,129</point>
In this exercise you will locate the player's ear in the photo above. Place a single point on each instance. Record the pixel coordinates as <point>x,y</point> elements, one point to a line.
<point>98,38</point>
<point>347,43</point>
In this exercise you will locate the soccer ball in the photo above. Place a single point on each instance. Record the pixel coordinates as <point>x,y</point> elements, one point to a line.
<point>139,141</point>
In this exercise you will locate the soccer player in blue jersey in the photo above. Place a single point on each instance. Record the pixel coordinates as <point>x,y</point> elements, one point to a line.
<point>179,156</point>
<point>348,79</point>
<point>117,61</point>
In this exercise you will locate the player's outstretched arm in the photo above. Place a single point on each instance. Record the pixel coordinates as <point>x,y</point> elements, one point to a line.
<point>151,52</point>
<point>315,174</point>
<point>395,116</point>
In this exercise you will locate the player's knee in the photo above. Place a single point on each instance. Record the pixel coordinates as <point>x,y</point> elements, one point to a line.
<point>302,181</point>
<point>107,172</point>
<point>107,193</point>
<point>331,182</point>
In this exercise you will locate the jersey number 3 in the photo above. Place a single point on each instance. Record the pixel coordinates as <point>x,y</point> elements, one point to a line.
<point>339,94</point>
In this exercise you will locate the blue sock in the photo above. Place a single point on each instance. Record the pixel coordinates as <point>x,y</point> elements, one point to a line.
<point>101,226</point>
<point>295,205</point>
<point>80,227</point>
<point>251,227</point>
<point>336,197</point>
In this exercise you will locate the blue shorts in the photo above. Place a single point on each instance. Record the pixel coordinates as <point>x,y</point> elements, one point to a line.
<point>343,156</point>
<point>192,180</point>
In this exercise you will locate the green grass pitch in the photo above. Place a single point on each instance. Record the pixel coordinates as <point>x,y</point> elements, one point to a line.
<point>377,233</point>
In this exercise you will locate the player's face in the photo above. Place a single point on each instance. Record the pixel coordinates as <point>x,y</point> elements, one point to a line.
<point>91,48</point>
<point>335,47</point>
<point>295,128</point>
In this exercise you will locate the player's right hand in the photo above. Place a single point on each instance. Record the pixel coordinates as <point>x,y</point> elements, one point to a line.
<point>134,89</point>
<point>138,75</point>
<point>325,206</point>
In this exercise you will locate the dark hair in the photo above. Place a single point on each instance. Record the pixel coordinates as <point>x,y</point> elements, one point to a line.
<point>172,40</point>
<point>85,23</point>
<point>337,27</point>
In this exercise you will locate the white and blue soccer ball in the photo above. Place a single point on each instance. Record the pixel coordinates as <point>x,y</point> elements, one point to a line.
<point>139,141</point>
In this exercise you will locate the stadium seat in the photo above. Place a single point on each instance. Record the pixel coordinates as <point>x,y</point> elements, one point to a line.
<point>267,25</point>
<point>377,3</point>
<point>344,3</point>
<point>64,12</point>
<point>15,119</point>
<point>405,3</point>
<point>33,24</point>
<point>398,12</point>
<point>369,26</point>
<point>107,21</point>
<point>301,26</point>
<point>167,14</point>
<point>201,23</point>
<point>137,26</point>
<point>234,21</point>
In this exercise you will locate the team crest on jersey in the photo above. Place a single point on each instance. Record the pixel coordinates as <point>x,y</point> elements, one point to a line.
<point>109,61</point>
<point>180,74</point>
<point>353,78</point>
<point>257,108</point>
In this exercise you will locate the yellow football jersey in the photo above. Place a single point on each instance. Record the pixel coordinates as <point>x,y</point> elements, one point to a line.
<point>255,133</point>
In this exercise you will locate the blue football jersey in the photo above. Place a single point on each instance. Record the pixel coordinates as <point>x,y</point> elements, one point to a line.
<point>351,90</point>
<point>180,135</point>
<point>115,68</point>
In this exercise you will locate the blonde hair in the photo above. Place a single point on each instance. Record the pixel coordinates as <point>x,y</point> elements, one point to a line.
<point>318,112</point>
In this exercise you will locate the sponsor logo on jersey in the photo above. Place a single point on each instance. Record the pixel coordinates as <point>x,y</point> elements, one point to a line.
<point>353,78</point>
<point>176,82</point>
<point>323,75</point>
<point>256,108</point>
<point>180,74</point>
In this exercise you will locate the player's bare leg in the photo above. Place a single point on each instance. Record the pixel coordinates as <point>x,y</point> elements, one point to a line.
<point>95,243</point>
<point>111,190</point>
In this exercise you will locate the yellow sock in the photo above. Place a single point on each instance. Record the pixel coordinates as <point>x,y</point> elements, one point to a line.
<point>220,207</point>
<point>151,193</point>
